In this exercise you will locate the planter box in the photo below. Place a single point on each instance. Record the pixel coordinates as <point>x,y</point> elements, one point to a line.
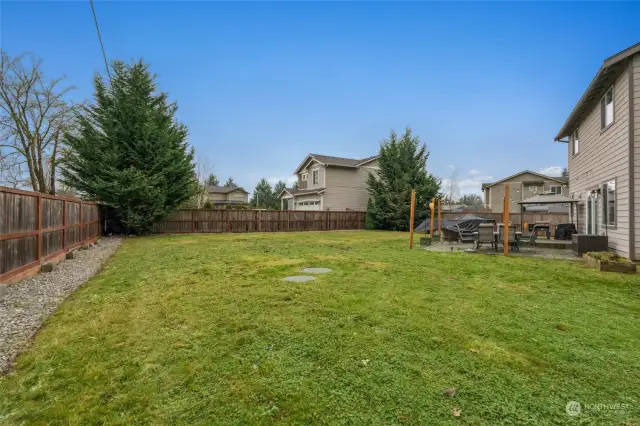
<point>604,265</point>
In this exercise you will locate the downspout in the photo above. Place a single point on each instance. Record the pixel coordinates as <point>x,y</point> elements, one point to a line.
<point>632,222</point>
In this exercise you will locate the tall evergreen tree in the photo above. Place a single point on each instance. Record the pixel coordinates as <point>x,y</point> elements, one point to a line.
<point>129,152</point>
<point>402,167</point>
<point>212,180</point>
<point>230,183</point>
<point>262,195</point>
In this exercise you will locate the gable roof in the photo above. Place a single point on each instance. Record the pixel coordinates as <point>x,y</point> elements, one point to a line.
<point>294,192</point>
<point>327,160</point>
<point>223,189</point>
<point>610,70</point>
<point>557,179</point>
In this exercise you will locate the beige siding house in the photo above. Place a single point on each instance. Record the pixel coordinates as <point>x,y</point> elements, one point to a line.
<point>522,186</point>
<point>330,183</point>
<point>223,195</point>
<point>603,140</point>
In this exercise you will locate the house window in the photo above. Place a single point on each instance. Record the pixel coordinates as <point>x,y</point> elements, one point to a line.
<point>576,142</point>
<point>304,177</point>
<point>606,109</point>
<point>556,189</point>
<point>533,189</point>
<point>609,203</point>
<point>314,177</point>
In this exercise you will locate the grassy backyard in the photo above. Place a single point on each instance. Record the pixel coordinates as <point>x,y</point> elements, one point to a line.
<point>202,329</point>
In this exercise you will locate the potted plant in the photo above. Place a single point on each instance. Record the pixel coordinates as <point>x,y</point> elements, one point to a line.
<point>609,261</point>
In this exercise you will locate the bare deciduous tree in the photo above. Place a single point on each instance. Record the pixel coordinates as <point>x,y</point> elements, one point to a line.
<point>33,114</point>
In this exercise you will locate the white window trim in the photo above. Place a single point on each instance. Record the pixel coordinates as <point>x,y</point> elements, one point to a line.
<point>575,147</point>
<point>605,204</point>
<point>603,125</point>
<point>304,176</point>
<point>555,186</point>
<point>315,177</point>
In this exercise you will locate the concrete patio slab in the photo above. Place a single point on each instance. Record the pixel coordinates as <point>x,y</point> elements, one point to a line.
<point>525,251</point>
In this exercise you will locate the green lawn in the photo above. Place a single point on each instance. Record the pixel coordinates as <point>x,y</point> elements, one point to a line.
<point>202,329</point>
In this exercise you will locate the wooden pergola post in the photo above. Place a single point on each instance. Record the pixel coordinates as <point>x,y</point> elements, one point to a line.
<point>412,217</point>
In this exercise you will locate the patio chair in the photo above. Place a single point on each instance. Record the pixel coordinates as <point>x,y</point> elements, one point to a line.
<point>465,236</point>
<point>530,239</point>
<point>513,242</point>
<point>485,235</point>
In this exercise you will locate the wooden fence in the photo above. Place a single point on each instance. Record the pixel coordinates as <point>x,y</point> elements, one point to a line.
<point>217,221</point>
<point>36,228</point>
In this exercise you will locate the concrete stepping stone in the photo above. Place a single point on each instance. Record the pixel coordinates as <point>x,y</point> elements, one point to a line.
<point>300,278</point>
<point>316,270</point>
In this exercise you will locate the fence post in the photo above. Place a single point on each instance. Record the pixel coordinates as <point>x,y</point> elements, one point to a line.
<point>64,223</point>
<point>193,221</point>
<point>81,224</point>
<point>288,220</point>
<point>39,227</point>
<point>259,216</point>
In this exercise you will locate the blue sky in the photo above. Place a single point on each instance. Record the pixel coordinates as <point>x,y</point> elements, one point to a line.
<point>485,85</point>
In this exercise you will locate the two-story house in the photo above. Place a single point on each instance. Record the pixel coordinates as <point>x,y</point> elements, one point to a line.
<point>330,183</point>
<point>603,138</point>
<point>523,185</point>
<point>225,195</point>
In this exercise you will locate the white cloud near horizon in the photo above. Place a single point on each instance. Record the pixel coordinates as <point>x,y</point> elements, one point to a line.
<point>466,186</point>
<point>474,172</point>
<point>552,171</point>
<point>288,179</point>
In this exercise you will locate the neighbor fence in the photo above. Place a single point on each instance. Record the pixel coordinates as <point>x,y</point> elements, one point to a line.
<point>219,221</point>
<point>36,228</point>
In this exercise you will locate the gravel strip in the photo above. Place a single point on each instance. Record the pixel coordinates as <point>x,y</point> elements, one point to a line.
<point>28,303</point>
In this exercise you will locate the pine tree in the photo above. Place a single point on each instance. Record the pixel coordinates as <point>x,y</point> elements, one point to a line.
<point>278,188</point>
<point>230,183</point>
<point>212,180</point>
<point>402,167</point>
<point>263,196</point>
<point>129,152</point>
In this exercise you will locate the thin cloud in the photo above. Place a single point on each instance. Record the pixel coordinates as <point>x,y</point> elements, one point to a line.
<point>474,172</point>
<point>552,171</point>
<point>288,179</point>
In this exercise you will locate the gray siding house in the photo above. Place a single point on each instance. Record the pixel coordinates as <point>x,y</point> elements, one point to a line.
<point>524,185</point>
<point>603,141</point>
<point>226,195</point>
<point>330,183</point>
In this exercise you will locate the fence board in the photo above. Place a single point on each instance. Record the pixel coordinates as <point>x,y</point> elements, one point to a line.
<point>229,221</point>
<point>35,226</point>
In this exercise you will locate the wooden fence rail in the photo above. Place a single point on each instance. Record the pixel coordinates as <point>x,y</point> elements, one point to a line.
<point>36,228</point>
<point>218,221</point>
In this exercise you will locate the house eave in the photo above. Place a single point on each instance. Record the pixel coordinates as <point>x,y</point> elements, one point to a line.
<point>608,72</point>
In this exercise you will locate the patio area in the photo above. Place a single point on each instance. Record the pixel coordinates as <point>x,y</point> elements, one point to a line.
<point>545,249</point>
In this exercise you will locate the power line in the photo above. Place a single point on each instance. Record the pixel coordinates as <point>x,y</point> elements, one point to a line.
<point>104,55</point>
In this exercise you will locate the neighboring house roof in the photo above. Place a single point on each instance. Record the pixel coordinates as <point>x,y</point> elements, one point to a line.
<point>606,75</point>
<point>223,189</point>
<point>557,179</point>
<point>548,199</point>
<point>335,161</point>
<point>297,192</point>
